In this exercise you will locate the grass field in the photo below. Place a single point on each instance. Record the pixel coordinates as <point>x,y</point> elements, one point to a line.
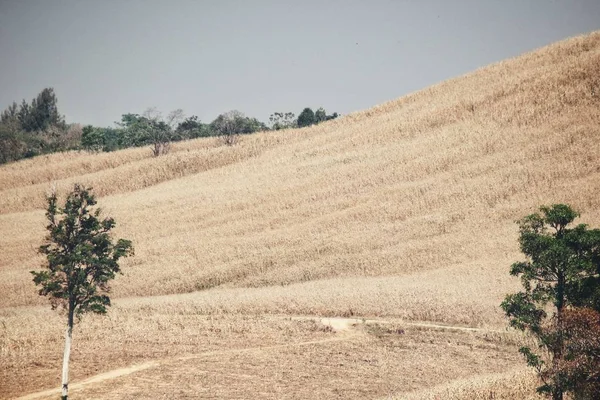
<point>403,213</point>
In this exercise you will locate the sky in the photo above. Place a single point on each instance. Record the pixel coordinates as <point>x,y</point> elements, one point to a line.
<point>111,57</point>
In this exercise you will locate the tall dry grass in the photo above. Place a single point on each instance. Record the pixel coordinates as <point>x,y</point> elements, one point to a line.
<point>428,181</point>
<point>519,384</point>
<point>276,356</point>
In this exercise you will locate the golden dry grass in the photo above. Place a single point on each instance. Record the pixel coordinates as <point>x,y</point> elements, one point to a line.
<point>230,356</point>
<point>404,210</point>
<point>518,384</point>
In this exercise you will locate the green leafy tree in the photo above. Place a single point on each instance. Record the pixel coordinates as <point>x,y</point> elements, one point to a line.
<point>281,120</point>
<point>92,138</point>
<point>102,139</point>
<point>228,126</point>
<point>252,125</point>
<point>81,260</point>
<point>12,146</point>
<point>10,115</point>
<point>24,116</point>
<point>306,118</point>
<point>332,116</point>
<point>191,128</point>
<point>11,143</point>
<point>563,269</point>
<point>37,128</point>
<point>150,129</point>
<point>320,115</point>
<point>133,136</point>
<point>233,123</point>
<point>42,113</point>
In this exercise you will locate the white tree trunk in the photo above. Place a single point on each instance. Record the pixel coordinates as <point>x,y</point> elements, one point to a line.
<point>65,371</point>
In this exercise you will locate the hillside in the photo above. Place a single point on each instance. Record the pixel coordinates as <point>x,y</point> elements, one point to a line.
<point>403,211</point>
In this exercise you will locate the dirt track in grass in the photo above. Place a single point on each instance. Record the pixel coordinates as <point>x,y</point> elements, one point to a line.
<point>344,328</point>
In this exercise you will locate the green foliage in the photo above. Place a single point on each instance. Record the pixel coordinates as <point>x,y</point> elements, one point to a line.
<point>320,115</point>
<point>306,118</point>
<point>134,128</point>
<point>12,147</point>
<point>562,269</point>
<point>332,116</point>
<point>281,120</point>
<point>31,129</point>
<point>102,139</point>
<point>192,128</point>
<point>42,113</point>
<point>81,257</point>
<point>10,116</point>
<point>92,138</point>
<point>150,129</point>
<point>233,123</point>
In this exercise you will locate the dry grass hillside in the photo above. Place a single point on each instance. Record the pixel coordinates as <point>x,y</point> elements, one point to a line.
<point>403,212</point>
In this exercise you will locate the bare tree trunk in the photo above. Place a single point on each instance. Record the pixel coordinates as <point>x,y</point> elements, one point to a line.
<point>67,354</point>
<point>65,370</point>
<point>559,345</point>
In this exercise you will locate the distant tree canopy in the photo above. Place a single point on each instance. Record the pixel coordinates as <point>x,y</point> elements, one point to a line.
<point>283,120</point>
<point>42,113</point>
<point>235,123</point>
<point>192,128</point>
<point>308,117</point>
<point>37,127</point>
<point>320,115</point>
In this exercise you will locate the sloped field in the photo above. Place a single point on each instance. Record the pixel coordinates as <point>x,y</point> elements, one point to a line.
<point>404,211</point>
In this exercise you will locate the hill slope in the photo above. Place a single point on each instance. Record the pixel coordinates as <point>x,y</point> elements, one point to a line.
<point>404,210</point>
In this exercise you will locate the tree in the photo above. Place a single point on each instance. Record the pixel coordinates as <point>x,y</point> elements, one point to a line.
<point>320,115</point>
<point>151,129</point>
<point>252,125</point>
<point>103,139</point>
<point>281,120</point>
<point>42,113</point>
<point>162,132</point>
<point>11,145</point>
<point>132,135</point>
<point>563,268</point>
<point>28,130</point>
<point>92,138</point>
<point>332,116</point>
<point>81,260</point>
<point>191,128</point>
<point>581,364</point>
<point>226,126</point>
<point>306,118</point>
<point>233,123</point>
<point>10,115</point>
<point>24,116</point>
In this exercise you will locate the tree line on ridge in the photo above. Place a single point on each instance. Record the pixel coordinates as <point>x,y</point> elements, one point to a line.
<point>30,129</point>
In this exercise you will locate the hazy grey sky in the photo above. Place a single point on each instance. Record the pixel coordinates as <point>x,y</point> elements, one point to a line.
<point>107,58</point>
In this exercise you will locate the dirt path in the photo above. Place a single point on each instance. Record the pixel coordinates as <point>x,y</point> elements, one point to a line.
<point>345,335</point>
<point>343,326</point>
<point>94,379</point>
